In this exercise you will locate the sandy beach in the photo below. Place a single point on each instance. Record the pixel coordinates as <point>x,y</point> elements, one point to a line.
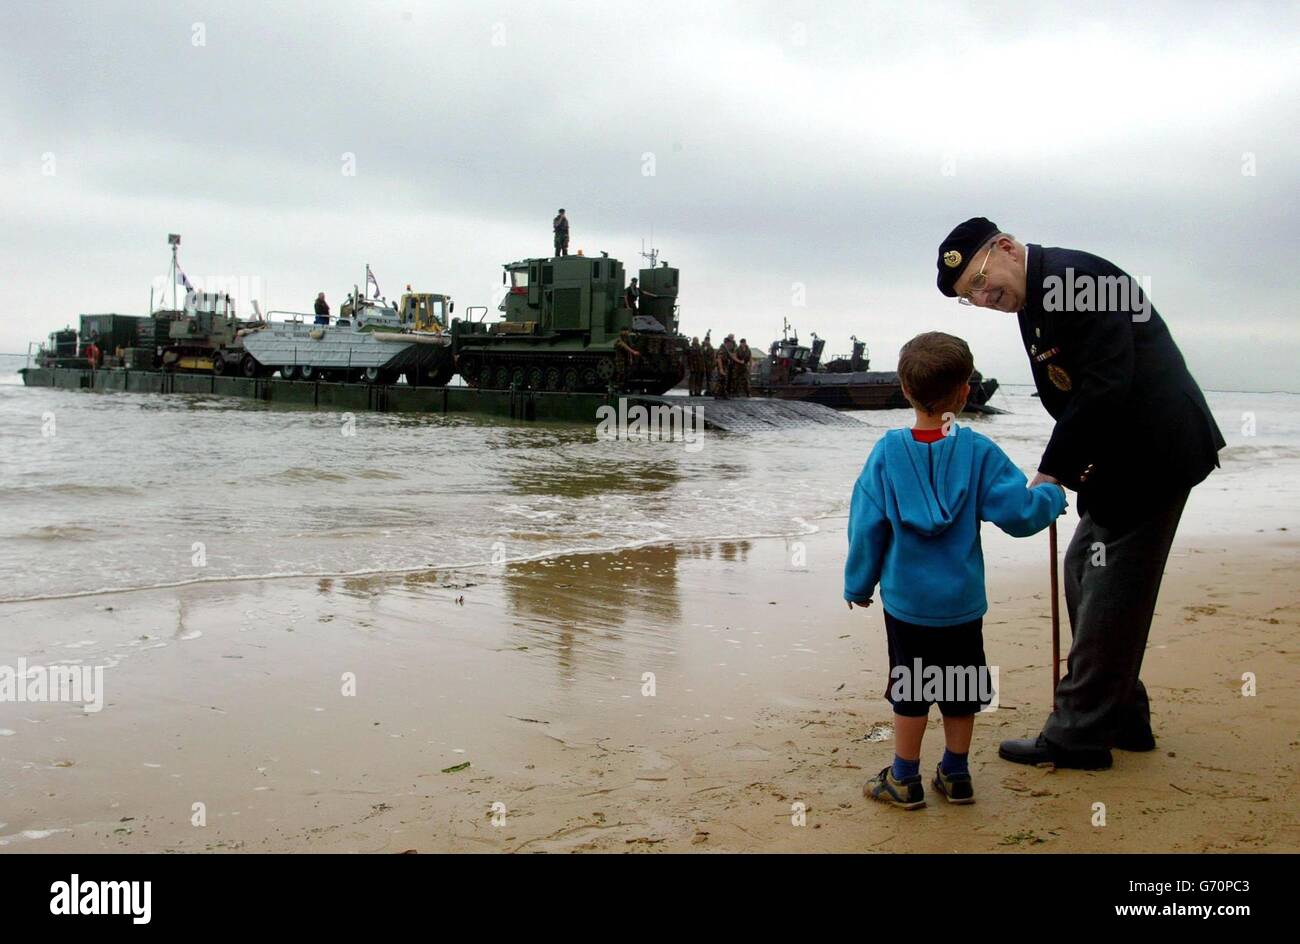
<point>506,709</point>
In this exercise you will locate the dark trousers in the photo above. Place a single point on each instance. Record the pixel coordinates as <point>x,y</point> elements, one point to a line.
<point>722,383</point>
<point>561,245</point>
<point>1110,609</point>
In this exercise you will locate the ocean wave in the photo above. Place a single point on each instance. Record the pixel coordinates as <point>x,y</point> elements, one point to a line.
<point>379,474</point>
<point>802,528</point>
<point>302,474</point>
<point>71,489</point>
<point>1262,452</point>
<point>54,532</point>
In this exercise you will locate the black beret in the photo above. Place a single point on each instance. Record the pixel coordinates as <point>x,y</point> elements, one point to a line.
<point>956,250</point>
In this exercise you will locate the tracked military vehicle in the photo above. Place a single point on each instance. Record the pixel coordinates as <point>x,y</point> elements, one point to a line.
<point>561,327</point>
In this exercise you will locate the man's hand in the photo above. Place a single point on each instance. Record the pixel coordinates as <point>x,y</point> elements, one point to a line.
<point>1043,478</point>
<point>862,605</point>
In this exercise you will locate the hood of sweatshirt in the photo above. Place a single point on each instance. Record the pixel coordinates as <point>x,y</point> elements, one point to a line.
<point>928,482</point>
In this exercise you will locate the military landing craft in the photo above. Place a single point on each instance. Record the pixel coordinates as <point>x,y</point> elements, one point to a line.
<point>793,371</point>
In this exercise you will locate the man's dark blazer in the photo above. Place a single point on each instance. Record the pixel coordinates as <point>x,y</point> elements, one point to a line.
<point>1132,426</point>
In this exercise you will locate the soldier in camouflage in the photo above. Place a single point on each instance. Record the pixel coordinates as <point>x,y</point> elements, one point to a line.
<point>695,367</point>
<point>743,360</point>
<point>624,354</point>
<point>560,225</point>
<point>710,363</point>
<point>722,370</point>
<point>729,367</point>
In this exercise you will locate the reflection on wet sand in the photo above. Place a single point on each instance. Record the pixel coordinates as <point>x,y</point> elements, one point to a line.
<point>597,608</point>
<point>734,551</point>
<point>593,475</point>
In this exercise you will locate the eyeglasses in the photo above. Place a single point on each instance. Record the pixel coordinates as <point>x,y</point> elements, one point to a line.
<point>977,281</point>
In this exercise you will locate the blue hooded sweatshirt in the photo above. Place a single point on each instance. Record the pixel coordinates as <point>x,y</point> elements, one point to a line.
<point>914,523</point>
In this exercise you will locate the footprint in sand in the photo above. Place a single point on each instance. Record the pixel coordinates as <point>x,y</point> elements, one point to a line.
<point>749,752</point>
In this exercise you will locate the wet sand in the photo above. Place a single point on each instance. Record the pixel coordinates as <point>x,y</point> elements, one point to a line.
<point>766,697</point>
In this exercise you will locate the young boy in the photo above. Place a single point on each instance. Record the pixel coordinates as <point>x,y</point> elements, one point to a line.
<point>914,529</point>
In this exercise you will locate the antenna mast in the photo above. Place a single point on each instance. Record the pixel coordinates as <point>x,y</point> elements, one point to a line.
<point>173,240</point>
<point>652,256</point>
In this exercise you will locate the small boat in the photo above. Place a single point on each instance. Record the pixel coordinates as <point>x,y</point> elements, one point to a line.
<point>793,371</point>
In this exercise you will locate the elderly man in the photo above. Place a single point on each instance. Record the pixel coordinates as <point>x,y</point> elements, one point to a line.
<point>1133,435</point>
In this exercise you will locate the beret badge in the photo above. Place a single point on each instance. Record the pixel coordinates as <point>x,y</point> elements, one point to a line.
<point>958,251</point>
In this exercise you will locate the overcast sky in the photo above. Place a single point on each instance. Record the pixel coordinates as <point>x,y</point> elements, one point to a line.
<point>775,152</point>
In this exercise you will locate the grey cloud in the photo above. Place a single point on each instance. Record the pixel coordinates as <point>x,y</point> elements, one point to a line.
<point>468,148</point>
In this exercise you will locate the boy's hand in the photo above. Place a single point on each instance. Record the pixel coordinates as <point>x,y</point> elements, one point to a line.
<point>1043,477</point>
<point>863,605</point>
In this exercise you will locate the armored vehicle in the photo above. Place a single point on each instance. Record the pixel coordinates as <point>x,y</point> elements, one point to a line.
<point>372,341</point>
<point>561,328</point>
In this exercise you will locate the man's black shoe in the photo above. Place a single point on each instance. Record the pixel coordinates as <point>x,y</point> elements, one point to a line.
<point>1039,751</point>
<point>1136,741</point>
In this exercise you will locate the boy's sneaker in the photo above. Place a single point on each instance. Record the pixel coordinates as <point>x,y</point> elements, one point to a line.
<point>956,787</point>
<point>907,794</point>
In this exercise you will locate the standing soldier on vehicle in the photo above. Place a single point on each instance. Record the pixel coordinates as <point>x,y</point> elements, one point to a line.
<point>723,365</point>
<point>322,310</point>
<point>561,227</point>
<point>632,295</point>
<point>727,356</point>
<point>695,367</point>
<point>743,359</point>
<point>710,363</point>
<point>624,354</point>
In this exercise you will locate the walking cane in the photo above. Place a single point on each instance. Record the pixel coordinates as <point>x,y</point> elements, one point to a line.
<point>1056,617</point>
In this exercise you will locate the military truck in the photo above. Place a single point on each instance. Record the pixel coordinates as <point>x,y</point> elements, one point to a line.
<point>428,312</point>
<point>61,350</point>
<point>562,321</point>
<point>112,332</point>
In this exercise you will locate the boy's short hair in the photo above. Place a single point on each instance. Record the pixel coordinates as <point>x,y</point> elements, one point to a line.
<point>932,366</point>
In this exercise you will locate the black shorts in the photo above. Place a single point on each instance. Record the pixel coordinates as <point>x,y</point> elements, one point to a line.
<point>937,665</point>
